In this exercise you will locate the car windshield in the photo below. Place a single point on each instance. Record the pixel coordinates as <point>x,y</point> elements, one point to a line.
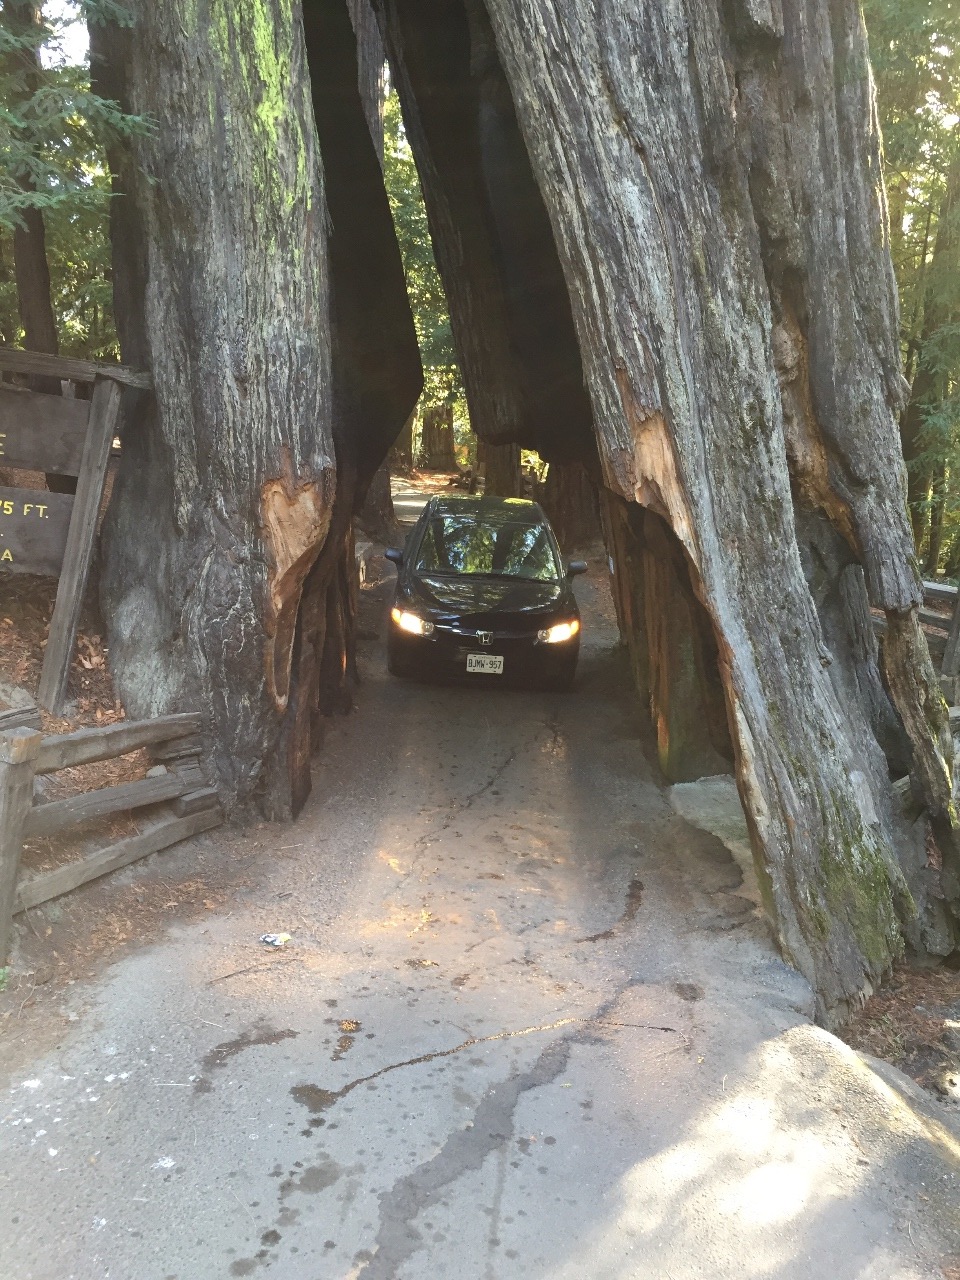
<point>492,544</point>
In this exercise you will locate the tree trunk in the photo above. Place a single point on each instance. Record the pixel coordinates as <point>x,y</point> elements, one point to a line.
<point>941,308</point>
<point>509,309</point>
<point>569,497</point>
<point>284,363</point>
<point>501,468</point>
<point>402,452</point>
<point>371,60</point>
<point>226,485</point>
<point>743,369</point>
<point>931,563</point>
<point>436,442</point>
<point>377,517</point>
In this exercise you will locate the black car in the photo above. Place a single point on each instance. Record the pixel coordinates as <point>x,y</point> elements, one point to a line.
<point>483,594</point>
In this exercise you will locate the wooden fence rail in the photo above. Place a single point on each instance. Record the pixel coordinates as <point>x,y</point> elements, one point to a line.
<point>190,806</point>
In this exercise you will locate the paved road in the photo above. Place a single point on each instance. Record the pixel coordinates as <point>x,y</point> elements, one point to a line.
<point>530,1025</point>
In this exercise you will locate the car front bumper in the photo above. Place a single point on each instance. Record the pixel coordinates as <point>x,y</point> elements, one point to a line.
<point>444,656</point>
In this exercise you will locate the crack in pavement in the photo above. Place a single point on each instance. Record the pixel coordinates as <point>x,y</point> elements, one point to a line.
<point>466,1150</point>
<point>318,1100</point>
<point>632,906</point>
<point>463,1152</point>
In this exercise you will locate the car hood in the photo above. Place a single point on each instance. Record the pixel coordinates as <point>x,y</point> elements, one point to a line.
<point>477,595</point>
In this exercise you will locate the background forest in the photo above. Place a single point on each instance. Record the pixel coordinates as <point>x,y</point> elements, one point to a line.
<point>55,285</point>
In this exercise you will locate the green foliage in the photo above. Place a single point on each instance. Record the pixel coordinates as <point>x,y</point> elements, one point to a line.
<point>50,120</point>
<point>915,51</point>
<point>442,382</point>
<point>53,136</point>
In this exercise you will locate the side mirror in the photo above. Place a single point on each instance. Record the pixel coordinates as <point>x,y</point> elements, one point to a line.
<point>576,566</point>
<point>395,555</point>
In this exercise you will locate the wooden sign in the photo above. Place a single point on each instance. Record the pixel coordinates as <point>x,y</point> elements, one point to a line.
<point>33,530</point>
<point>36,426</point>
<point>52,533</point>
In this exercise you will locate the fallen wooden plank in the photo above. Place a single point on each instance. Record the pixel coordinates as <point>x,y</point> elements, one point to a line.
<point>42,432</point>
<point>78,556</point>
<point>87,746</point>
<point>195,801</point>
<point>13,360</point>
<point>48,819</point>
<point>64,879</point>
<point>20,718</point>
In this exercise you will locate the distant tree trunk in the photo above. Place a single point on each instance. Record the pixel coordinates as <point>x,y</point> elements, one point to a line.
<point>9,318</point>
<point>501,466</point>
<point>402,452</point>
<point>569,498</point>
<point>436,441</point>
<point>377,517</point>
<point>941,308</point>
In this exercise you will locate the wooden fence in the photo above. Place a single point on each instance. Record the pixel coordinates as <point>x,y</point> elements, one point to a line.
<point>190,805</point>
<point>945,644</point>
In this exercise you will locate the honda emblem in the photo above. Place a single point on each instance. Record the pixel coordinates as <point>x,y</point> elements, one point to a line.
<point>485,637</point>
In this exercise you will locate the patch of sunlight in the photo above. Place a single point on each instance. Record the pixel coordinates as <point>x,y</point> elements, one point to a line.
<point>749,1122</point>
<point>775,1192</point>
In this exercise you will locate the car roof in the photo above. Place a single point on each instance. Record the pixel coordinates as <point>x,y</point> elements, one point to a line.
<point>484,506</point>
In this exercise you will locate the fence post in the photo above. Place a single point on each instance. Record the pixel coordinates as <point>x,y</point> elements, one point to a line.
<point>18,750</point>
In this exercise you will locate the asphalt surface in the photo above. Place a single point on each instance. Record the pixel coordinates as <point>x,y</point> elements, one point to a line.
<point>529,1024</point>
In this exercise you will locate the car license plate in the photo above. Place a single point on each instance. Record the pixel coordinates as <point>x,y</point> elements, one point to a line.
<point>486,664</point>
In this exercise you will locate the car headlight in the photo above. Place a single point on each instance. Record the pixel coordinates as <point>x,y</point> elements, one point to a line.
<point>411,622</point>
<point>559,632</point>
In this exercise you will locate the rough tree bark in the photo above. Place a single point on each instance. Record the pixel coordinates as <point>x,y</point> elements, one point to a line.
<point>501,469</point>
<point>228,549</point>
<point>569,497</point>
<point>510,313</point>
<point>713,192</point>
<point>226,486</point>
<point>742,359</point>
<point>377,516</point>
<point>436,439</point>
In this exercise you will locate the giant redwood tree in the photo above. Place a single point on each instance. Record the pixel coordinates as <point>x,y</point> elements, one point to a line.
<point>711,179</point>
<point>259,280</point>
<point>662,232</point>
